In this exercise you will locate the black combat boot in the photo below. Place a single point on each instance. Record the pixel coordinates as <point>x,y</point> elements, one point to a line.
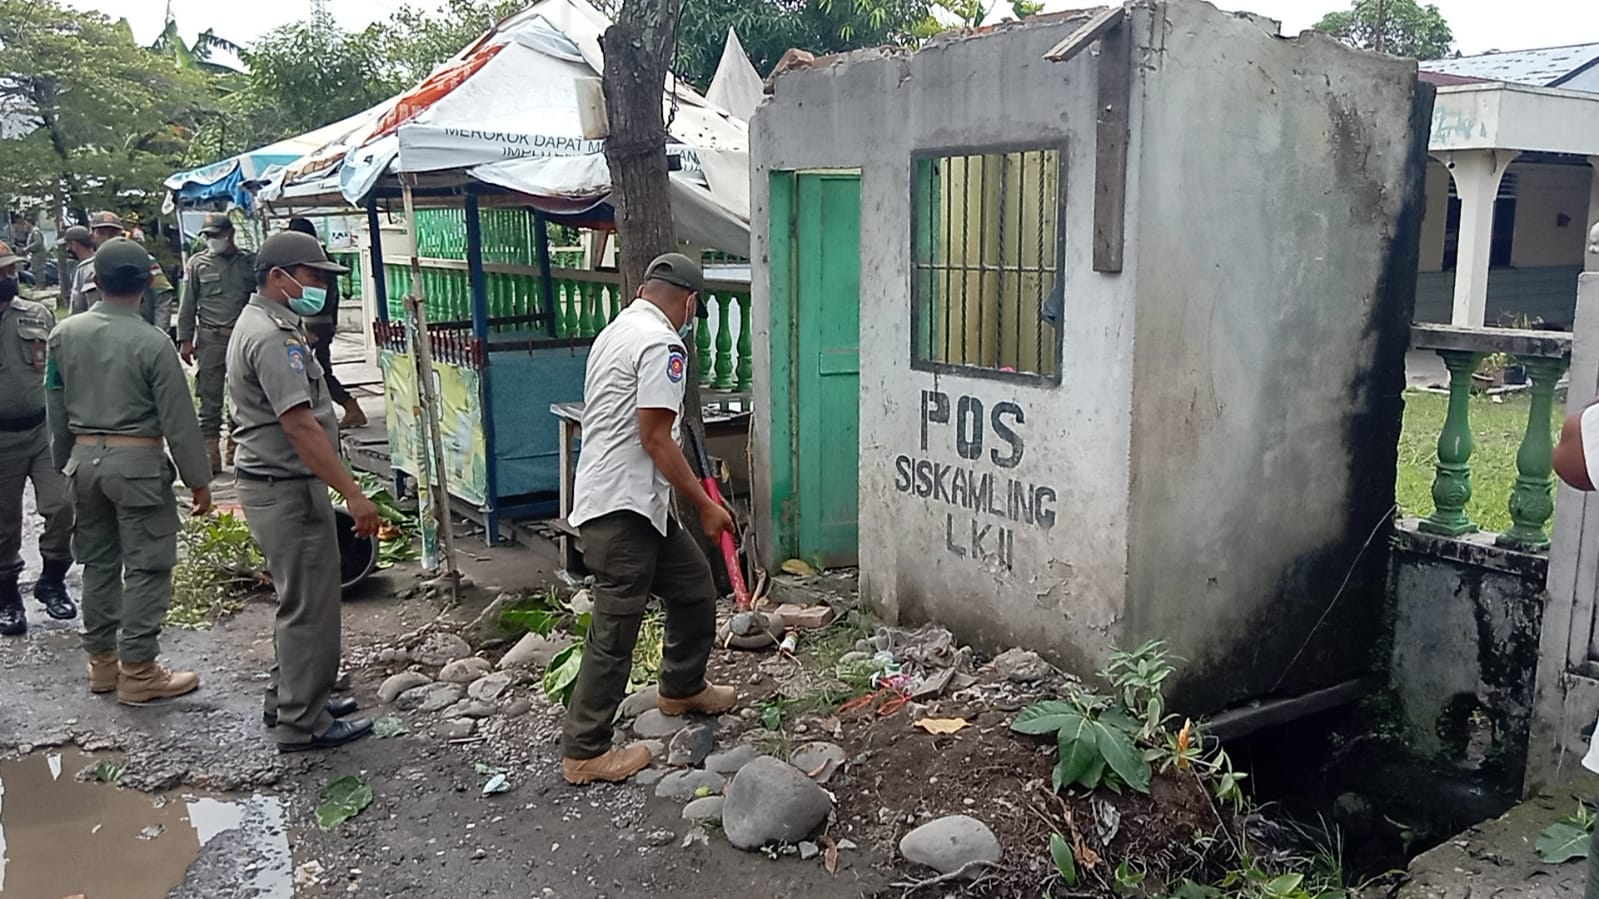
<point>52,590</point>
<point>13,620</point>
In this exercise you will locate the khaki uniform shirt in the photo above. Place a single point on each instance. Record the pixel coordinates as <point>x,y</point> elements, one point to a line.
<point>215,289</point>
<point>24,328</point>
<point>270,371</point>
<point>155,308</point>
<point>109,372</point>
<point>637,362</point>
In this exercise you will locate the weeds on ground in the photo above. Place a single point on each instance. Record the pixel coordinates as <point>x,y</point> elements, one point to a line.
<point>548,613</point>
<point>218,566</point>
<point>1568,839</point>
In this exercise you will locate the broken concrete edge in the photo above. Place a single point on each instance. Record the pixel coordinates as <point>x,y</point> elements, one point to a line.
<point>1471,549</point>
<point>1516,342</point>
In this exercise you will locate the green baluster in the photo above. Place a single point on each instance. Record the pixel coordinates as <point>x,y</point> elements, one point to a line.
<point>1451,486</point>
<point>1531,502</point>
<point>724,345</point>
<point>702,352</point>
<point>566,315</point>
<point>745,371</point>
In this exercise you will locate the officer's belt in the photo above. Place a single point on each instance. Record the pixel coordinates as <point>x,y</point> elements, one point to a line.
<point>25,423</point>
<point>116,440</point>
<point>225,330</point>
<point>270,478</point>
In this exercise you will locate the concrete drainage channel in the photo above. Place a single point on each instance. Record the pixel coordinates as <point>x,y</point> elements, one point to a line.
<point>56,815</point>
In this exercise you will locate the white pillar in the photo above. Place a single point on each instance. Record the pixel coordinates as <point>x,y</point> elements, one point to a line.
<point>1477,174</point>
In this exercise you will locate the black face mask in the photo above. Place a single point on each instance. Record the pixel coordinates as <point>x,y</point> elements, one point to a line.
<point>8,289</point>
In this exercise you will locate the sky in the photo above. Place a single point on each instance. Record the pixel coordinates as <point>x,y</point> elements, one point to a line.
<point>1479,25</point>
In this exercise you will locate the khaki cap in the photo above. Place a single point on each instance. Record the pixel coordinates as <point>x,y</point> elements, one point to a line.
<point>216,223</point>
<point>121,259</point>
<point>8,258</point>
<point>287,249</point>
<point>106,219</point>
<point>681,271</point>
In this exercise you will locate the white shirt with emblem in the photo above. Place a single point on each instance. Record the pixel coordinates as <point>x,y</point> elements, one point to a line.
<point>637,362</point>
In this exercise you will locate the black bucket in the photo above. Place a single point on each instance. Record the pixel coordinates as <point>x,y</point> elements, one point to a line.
<point>358,556</point>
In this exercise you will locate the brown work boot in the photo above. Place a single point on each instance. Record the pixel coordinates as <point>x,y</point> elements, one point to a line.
<point>142,683</point>
<point>102,672</point>
<point>616,765</point>
<point>213,451</point>
<point>712,700</point>
<point>353,416</point>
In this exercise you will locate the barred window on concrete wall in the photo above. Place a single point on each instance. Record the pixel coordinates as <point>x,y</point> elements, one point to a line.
<point>986,255</point>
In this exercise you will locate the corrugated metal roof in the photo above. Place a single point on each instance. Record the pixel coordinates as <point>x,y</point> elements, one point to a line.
<point>1544,67</point>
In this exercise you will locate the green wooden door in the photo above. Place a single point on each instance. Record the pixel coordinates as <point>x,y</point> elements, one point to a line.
<point>816,276</point>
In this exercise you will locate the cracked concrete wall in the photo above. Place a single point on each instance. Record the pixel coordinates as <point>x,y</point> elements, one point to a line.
<point>1223,438</point>
<point>1278,231</point>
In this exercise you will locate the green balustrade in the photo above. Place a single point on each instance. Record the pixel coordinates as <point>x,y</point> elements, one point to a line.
<point>724,343</point>
<point>744,373</point>
<point>1531,499</point>
<point>1451,486</point>
<point>702,352</point>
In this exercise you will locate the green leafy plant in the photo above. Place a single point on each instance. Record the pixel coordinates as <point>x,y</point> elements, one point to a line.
<point>1096,749</point>
<point>218,565</point>
<point>1060,852</point>
<point>1567,839</point>
<point>342,800</point>
<point>107,772</point>
<point>544,615</point>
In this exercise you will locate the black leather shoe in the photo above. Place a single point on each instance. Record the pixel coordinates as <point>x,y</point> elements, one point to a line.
<point>340,733</point>
<point>52,590</point>
<point>13,619</point>
<point>338,707</point>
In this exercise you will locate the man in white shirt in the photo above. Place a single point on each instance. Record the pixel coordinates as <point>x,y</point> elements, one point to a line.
<point>632,543</point>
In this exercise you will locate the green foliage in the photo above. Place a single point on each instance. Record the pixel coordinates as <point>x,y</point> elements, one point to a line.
<point>548,613</point>
<point>1567,839</point>
<point>1065,862</point>
<point>94,119</point>
<point>1406,28</point>
<point>107,772</point>
<point>342,800</point>
<point>304,75</point>
<point>415,39</point>
<point>218,565</point>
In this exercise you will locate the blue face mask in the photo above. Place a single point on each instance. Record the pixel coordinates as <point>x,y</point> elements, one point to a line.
<point>310,301</point>
<point>687,330</point>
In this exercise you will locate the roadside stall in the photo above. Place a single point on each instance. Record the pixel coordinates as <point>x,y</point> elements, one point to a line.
<point>490,151</point>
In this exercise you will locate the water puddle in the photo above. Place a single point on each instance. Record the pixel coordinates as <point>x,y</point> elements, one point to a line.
<point>61,837</point>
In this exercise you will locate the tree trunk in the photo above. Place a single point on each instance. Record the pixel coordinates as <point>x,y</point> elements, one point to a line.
<point>637,50</point>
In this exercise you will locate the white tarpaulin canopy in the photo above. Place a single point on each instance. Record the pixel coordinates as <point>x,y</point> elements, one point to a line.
<point>736,86</point>
<point>504,112</point>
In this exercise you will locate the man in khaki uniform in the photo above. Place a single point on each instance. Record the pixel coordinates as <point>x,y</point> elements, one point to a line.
<point>116,390</point>
<point>288,457</point>
<point>632,542</point>
<point>30,244</point>
<point>155,306</point>
<point>25,456</point>
<point>217,284</point>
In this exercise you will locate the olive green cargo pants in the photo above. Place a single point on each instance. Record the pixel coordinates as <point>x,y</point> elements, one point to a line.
<point>630,560</point>
<point>24,457</point>
<point>210,378</point>
<point>292,521</point>
<point>127,541</point>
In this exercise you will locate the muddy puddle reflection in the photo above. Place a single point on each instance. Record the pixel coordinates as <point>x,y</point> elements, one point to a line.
<point>61,837</point>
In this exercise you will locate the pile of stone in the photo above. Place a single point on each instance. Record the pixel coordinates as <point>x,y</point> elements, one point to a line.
<point>466,690</point>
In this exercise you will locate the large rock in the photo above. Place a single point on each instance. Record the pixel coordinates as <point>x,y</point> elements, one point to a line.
<point>440,697</point>
<point>706,808</point>
<point>949,844</point>
<point>534,651</point>
<point>1021,666</point>
<point>652,725</point>
<point>399,683</point>
<point>438,650</point>
<point>683,785</point>
<point>638,703</point>
<point>732,760</point>
<point>772,801</point>
<point>415,696</point>
<point>454,728</point>
<point>465,671</point>
<point>490,687</point>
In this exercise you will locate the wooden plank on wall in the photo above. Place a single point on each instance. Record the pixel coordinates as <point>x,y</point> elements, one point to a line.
<point>1091,31</point>
<point>1110,158</point>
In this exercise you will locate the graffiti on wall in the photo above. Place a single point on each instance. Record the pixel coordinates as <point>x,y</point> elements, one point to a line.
<point>461,420</point>
<point>967,465</point>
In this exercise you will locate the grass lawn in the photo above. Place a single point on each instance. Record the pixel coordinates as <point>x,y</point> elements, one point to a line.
<point>1496,429</point>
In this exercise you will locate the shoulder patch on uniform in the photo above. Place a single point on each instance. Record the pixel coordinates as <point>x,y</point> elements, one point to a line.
<point>676,365</point>
<point>296,357</point>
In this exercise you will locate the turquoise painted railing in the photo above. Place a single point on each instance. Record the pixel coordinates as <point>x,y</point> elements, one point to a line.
<point>585,301</point>
<point>1544,355</point>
